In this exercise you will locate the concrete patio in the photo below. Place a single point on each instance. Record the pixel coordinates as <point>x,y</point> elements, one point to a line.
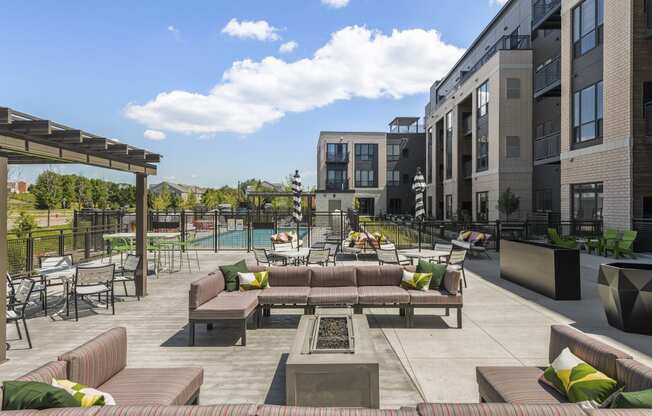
<point>503,325</point>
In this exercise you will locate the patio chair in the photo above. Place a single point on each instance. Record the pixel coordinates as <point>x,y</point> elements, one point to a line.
<point>624,246</point>
<point>264,258</point>
<point>556,240</point>
<point>122,246</point>
<point>443,247</point>
<point>39,288</point>
<point>97,280</point>
<point>185,246</point>
<point>456,262</point>
<point>392,257</point>
<point>127,273</point>
<point>17,304</point>
<point>51,262</point>
<point>608,240</point>
<point>333,249</point>
<point>318,256</point>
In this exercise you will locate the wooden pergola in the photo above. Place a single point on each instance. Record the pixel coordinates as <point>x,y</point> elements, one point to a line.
<point>25,139</point>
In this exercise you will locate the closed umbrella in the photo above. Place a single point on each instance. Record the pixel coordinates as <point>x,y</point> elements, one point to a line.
<point>296,191</point>
<point>419,187</point>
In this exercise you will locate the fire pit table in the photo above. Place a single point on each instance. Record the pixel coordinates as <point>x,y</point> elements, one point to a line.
<point>333,363</point>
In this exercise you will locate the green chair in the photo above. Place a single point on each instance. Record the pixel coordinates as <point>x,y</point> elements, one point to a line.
<point>625,246</point>
<point>185,246</point>
<point>609,241</point>
<point>557,240</point>
<point>122,246</point>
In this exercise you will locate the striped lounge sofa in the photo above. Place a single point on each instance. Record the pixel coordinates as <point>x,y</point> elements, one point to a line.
<point>308,287</point>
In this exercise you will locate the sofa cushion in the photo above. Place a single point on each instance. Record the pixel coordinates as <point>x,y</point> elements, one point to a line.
<point>96,361</point>
<point>289,295</point>
<point>433,297</point>
<point>289,276</point>
<point>498,409</point>
<point>230,273</point>
<point>382,295</point>
<point>274,410</point>
<point>332,276</point>
<point>598,354</point>
<point>227,305</point>
<point>452,282</point>
<point>205,289</point>
<point>333,296</point>
<point>634,375</point>
<point>389,275</point>
<point>520,385</point>
<point>214,410</point>
<point>45,373</point>
<point>154,386</point>
<point>618,412</point>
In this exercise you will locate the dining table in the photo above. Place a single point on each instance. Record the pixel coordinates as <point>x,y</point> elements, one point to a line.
<point>291,254</point>
<point>154,236</point>
<point>63,275</point>
<point>426,254</point>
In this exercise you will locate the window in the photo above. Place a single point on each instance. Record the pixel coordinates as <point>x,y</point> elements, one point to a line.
<point>513,147</point>
<point>394,206</point>
<point>483,99</point>
<point>336,151</point>
<point>587,200</point>
<point>482,206</point>
<point>406,153</point>
<point>647,107</point>
<point>366,206</point>
<point>449,207</point>
<point>335,176</point>
<point>429,157</point>
<point>483,154</point>
<point>588,113</point>
<point>429,206</point>
<point>365,151</point>
<point>513,88</point>
<point>406,179</point>
<point>543,200</point>
<point>588,18</point>
<point>647,207</point>
<point>393,152</point>
<point>393,178</point>
<point>449,145</point>
<point>364,178</point>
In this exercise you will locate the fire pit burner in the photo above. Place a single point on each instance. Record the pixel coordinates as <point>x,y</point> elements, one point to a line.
<point>332,334</point>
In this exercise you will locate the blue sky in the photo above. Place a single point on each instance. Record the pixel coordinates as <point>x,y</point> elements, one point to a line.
<point>100,66</point>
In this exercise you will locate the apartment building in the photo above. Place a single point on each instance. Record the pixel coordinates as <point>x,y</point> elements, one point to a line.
<point>370,171</point>
<point>553,100</point>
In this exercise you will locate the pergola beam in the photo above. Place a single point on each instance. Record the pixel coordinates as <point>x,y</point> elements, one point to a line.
<point>3,253</point>
<point>65,136</point>
<point>118,149</point>
<point>141,233</point>
<point>31,126</point>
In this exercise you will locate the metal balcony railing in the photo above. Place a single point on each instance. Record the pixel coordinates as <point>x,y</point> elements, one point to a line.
<point>547,146</point>
<point>541,10</point>
<point>339,157</point>
<point>548,75</point>
<point>337,186</point>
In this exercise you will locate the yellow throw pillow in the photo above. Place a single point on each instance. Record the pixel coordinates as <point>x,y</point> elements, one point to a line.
<point>252,281</point>
<point>466,235</point>
<point>84,395</point>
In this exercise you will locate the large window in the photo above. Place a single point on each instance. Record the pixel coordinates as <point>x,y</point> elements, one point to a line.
<point>364,178</point>
<point>429,159</point>
<point>587,201</point>
<point>366,206</point>
<point>336,152</point>
<point>394,206</point>
<point>449,145</point>
<point>482,141</point>
<point>588,19</point>
<point>543,200</point>
<point>482,206</point>
<point>393,178</point>
<point>588,113</point>
<point>336,179</point>
<point>483,99</point>
<point>365,151</point>
<point>449,207</point>
<point>393,152</point>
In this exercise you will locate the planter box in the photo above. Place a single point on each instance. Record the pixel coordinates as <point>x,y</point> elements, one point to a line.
<point>546,269</point>
<point>626,293</point>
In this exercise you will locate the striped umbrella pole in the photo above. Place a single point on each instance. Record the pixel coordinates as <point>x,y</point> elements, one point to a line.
<point>296,191</point>
<point>419,187</point>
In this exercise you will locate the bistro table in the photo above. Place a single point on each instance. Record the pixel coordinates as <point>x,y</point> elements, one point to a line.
<point>291,254</point>
<point>413,254</point>
<point>63,275</point>
<point>160,236</point>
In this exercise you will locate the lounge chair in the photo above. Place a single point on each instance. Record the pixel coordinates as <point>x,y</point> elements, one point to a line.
<point>556,240</point>
<point>608,240</point>
<point>624,246</point>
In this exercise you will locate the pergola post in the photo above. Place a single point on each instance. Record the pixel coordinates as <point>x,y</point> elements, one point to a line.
<point>3,253</point>
<point>141,233</point>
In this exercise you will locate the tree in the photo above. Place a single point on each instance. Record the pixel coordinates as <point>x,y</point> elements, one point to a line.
<point>84,194</point>
<point>47,191</point>
<point>100,193</point>
<point>161,200</point>
<point>211,198</point>
<point>175,201</point>
<point>68,184</point>
<point>24,224</point>
<point>508,203</point>
<point>191,201</point>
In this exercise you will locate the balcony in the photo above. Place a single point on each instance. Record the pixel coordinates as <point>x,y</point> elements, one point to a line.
<point>546,14</point>
<point>339,157</point>
<point>467,169</point>
<point>547,79</point>
<point>505,43</point>
<point>547,147</point>
<point>337,186</point>
<point>467,125</point>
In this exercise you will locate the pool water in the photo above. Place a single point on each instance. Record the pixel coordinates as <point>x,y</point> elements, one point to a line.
<point>237,239</point>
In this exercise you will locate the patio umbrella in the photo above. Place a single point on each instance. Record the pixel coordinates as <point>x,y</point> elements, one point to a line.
<point>419,187</point>
<point>296,191</point>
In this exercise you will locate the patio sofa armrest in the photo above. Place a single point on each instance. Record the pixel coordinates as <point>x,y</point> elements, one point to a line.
<point>96,361</point>
<point>45,373</point>
<point>634,375</point>
<point>498,409</point>
<point>452,282</point>
<point>205,289</point>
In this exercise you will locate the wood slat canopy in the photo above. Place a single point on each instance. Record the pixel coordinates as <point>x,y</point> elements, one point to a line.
<point>26,139</point>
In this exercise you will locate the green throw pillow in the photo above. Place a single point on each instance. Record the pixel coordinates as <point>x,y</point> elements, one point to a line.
<point>19,395</point>
<point>633,400</point>
<point>231,274</point>
<point>577,380</point>
<point>416,281</point>
<point>438,272</point>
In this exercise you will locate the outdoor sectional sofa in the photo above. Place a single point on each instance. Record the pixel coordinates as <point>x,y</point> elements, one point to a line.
<point>309,287</point>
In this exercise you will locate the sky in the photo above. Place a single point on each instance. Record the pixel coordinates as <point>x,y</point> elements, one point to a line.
<point>227,90</point>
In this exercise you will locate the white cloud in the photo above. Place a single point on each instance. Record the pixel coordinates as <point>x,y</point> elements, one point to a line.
<point>260,30</point>
<point>175,32</point>
<point>337,4</point>
<point>288,47</point>
<point>154,135</point>
<point>356,62</point>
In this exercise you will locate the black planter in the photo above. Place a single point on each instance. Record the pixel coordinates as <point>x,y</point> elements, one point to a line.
<point>626,293</point>
<point>550,270</point>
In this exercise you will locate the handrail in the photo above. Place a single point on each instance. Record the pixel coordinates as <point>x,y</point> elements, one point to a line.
<point>548,74</point>
<point>547,146</point>
<point>541,8</point>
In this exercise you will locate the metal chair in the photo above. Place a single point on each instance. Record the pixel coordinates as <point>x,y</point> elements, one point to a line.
<point>52,263</point>
<point>19,300</point>
<point>333,249</point>
<point>39,288</point>
<point>318,256</point>
<point>443,247</point>
<point>456,262</point>
<point>392,257</point>
<point>127,273</point>
<point>96,280</point>
<point>261,257</point>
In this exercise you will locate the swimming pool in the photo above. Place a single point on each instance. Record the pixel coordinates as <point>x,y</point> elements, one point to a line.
<point>237,239</point>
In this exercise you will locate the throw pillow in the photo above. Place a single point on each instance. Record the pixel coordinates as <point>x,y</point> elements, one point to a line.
<point>438,272</point>
<point>85,396</point>
<point>251,281</point>
<point>633,400</point>
<point>416,281</point>
<point>466,235</point>
<point>19,395</point>
<point>230,273</point>
<point>577,380</point>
